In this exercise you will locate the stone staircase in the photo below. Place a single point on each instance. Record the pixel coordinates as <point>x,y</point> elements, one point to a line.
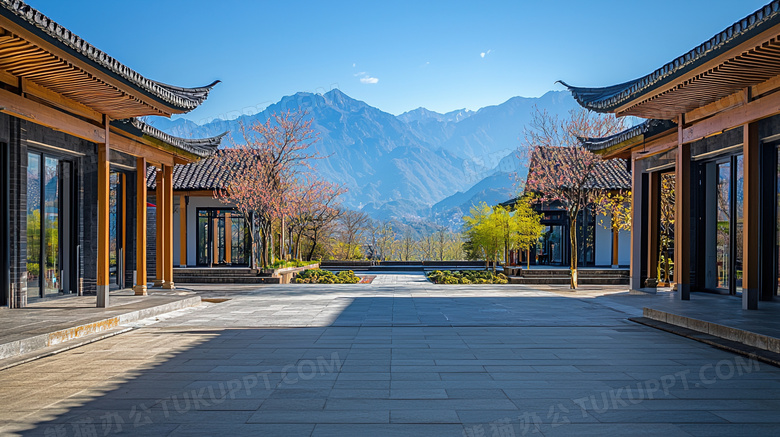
<point>589,276</point>
<point>220,275</point>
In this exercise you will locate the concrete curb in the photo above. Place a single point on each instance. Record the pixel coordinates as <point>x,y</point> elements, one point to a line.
<point>742,336</point>
<point>37,342</point>
<point>736,347</point>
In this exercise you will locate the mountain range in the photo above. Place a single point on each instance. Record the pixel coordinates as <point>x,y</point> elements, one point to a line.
<point>420,164</point>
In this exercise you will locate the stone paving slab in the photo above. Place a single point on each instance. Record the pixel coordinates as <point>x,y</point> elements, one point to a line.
<point>234,367</point>
<point>52,322</point>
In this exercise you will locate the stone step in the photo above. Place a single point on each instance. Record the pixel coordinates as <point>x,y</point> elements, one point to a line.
<point>225,280</point>
<point>560,280</point>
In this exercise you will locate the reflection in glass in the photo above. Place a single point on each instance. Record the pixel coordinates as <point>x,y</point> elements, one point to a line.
<point>549,247</point>
<point>113,228</point>
<point>33,225</point>
<point>738,222</point>
<point>723,224</point>
<point>666,230</point>
<point>51,226</point>
<point>223,238</point>
<point>203,238</point>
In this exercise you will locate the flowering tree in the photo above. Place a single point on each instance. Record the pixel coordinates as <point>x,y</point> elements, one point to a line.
<point>262,176</point>
<point>560,169</point>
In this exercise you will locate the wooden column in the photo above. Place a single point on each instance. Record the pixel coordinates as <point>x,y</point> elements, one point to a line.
<point>215,241</point>
<point>228,238</point>
<point>168,227</point>
<point>750,231</point>
<point>159,243</point>
<point>636,231</point>
<point>682,216</point>
<point>653,224</point>
<point>615,248</point>
<point>104,187</point>
<point>140,227</point>
<point>182,231</point>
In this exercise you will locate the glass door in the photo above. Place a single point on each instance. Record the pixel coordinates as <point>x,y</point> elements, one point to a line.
<point>725,223</point>
<point>223,238</point>
<point>48,225</point>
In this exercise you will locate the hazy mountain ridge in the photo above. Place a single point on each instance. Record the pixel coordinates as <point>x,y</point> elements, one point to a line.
<point>403,166</point>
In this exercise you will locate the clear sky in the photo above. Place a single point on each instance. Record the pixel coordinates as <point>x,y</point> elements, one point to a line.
<point>396,55</point>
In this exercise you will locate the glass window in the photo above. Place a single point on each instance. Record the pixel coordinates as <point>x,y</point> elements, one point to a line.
<point>723,225</point>
<point>34,234</point>
<point>52,280</point>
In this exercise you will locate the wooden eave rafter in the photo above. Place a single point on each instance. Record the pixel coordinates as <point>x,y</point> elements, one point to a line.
<point>657,144</point>
<point>750,64</point>
<point>25,55</point>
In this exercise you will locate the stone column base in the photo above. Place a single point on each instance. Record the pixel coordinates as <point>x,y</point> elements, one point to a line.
<point>102,296</point>
<point>169,286</point>
<point>140,290</point>
<point>158,282</point>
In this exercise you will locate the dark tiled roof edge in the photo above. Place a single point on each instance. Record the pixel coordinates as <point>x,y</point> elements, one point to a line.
<point>647,128</point>
<point>204,175</point>
<point>608,99</point>
<point>202,147</point>
<point>609,174</point>
<point>185,99</point>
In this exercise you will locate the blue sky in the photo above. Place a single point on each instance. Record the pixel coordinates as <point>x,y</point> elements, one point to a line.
<point>395,55</point>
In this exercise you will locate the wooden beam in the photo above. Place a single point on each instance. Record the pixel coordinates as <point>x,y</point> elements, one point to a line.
<point>168,227</point>
<point>657,146</point>
<point>155,106</point>
<point>753,111</point>
<point>182,231</point>
<point>103,188</point>
<point>751,222</point>
<point>737,99</point>
<point>32,89</point>
<point>43,115</point>
<point>140,227</point>
<point>133,147</point>
<point>764,37</point>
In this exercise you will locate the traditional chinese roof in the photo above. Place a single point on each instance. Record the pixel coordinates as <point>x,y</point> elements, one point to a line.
<point>610,174</point>
<point>200,147</point>
<point>646,129</point>
<point>730,51</point>
<point>205,174</point>
<point>43,51</point>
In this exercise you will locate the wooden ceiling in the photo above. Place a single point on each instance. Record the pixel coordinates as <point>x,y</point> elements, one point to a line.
<point>25,60</point>
<point>748,69</point>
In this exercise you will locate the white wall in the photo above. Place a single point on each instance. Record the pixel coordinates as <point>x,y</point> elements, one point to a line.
<point>603,241</point>
<point>624,248</point>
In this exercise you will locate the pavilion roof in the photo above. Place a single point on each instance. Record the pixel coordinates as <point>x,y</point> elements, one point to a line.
<point>36,48</point>
<point>744,54</point>
<point>205,174</point>
<point>646,129</point>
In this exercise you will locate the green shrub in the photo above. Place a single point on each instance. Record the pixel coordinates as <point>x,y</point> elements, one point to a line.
<point>466,277</point>
<point>319,276</point>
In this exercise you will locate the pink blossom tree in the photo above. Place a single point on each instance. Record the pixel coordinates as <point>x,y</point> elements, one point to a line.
<point>561,170</point>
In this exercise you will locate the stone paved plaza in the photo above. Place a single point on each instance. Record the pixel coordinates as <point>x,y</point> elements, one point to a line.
<point>397,357</point>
